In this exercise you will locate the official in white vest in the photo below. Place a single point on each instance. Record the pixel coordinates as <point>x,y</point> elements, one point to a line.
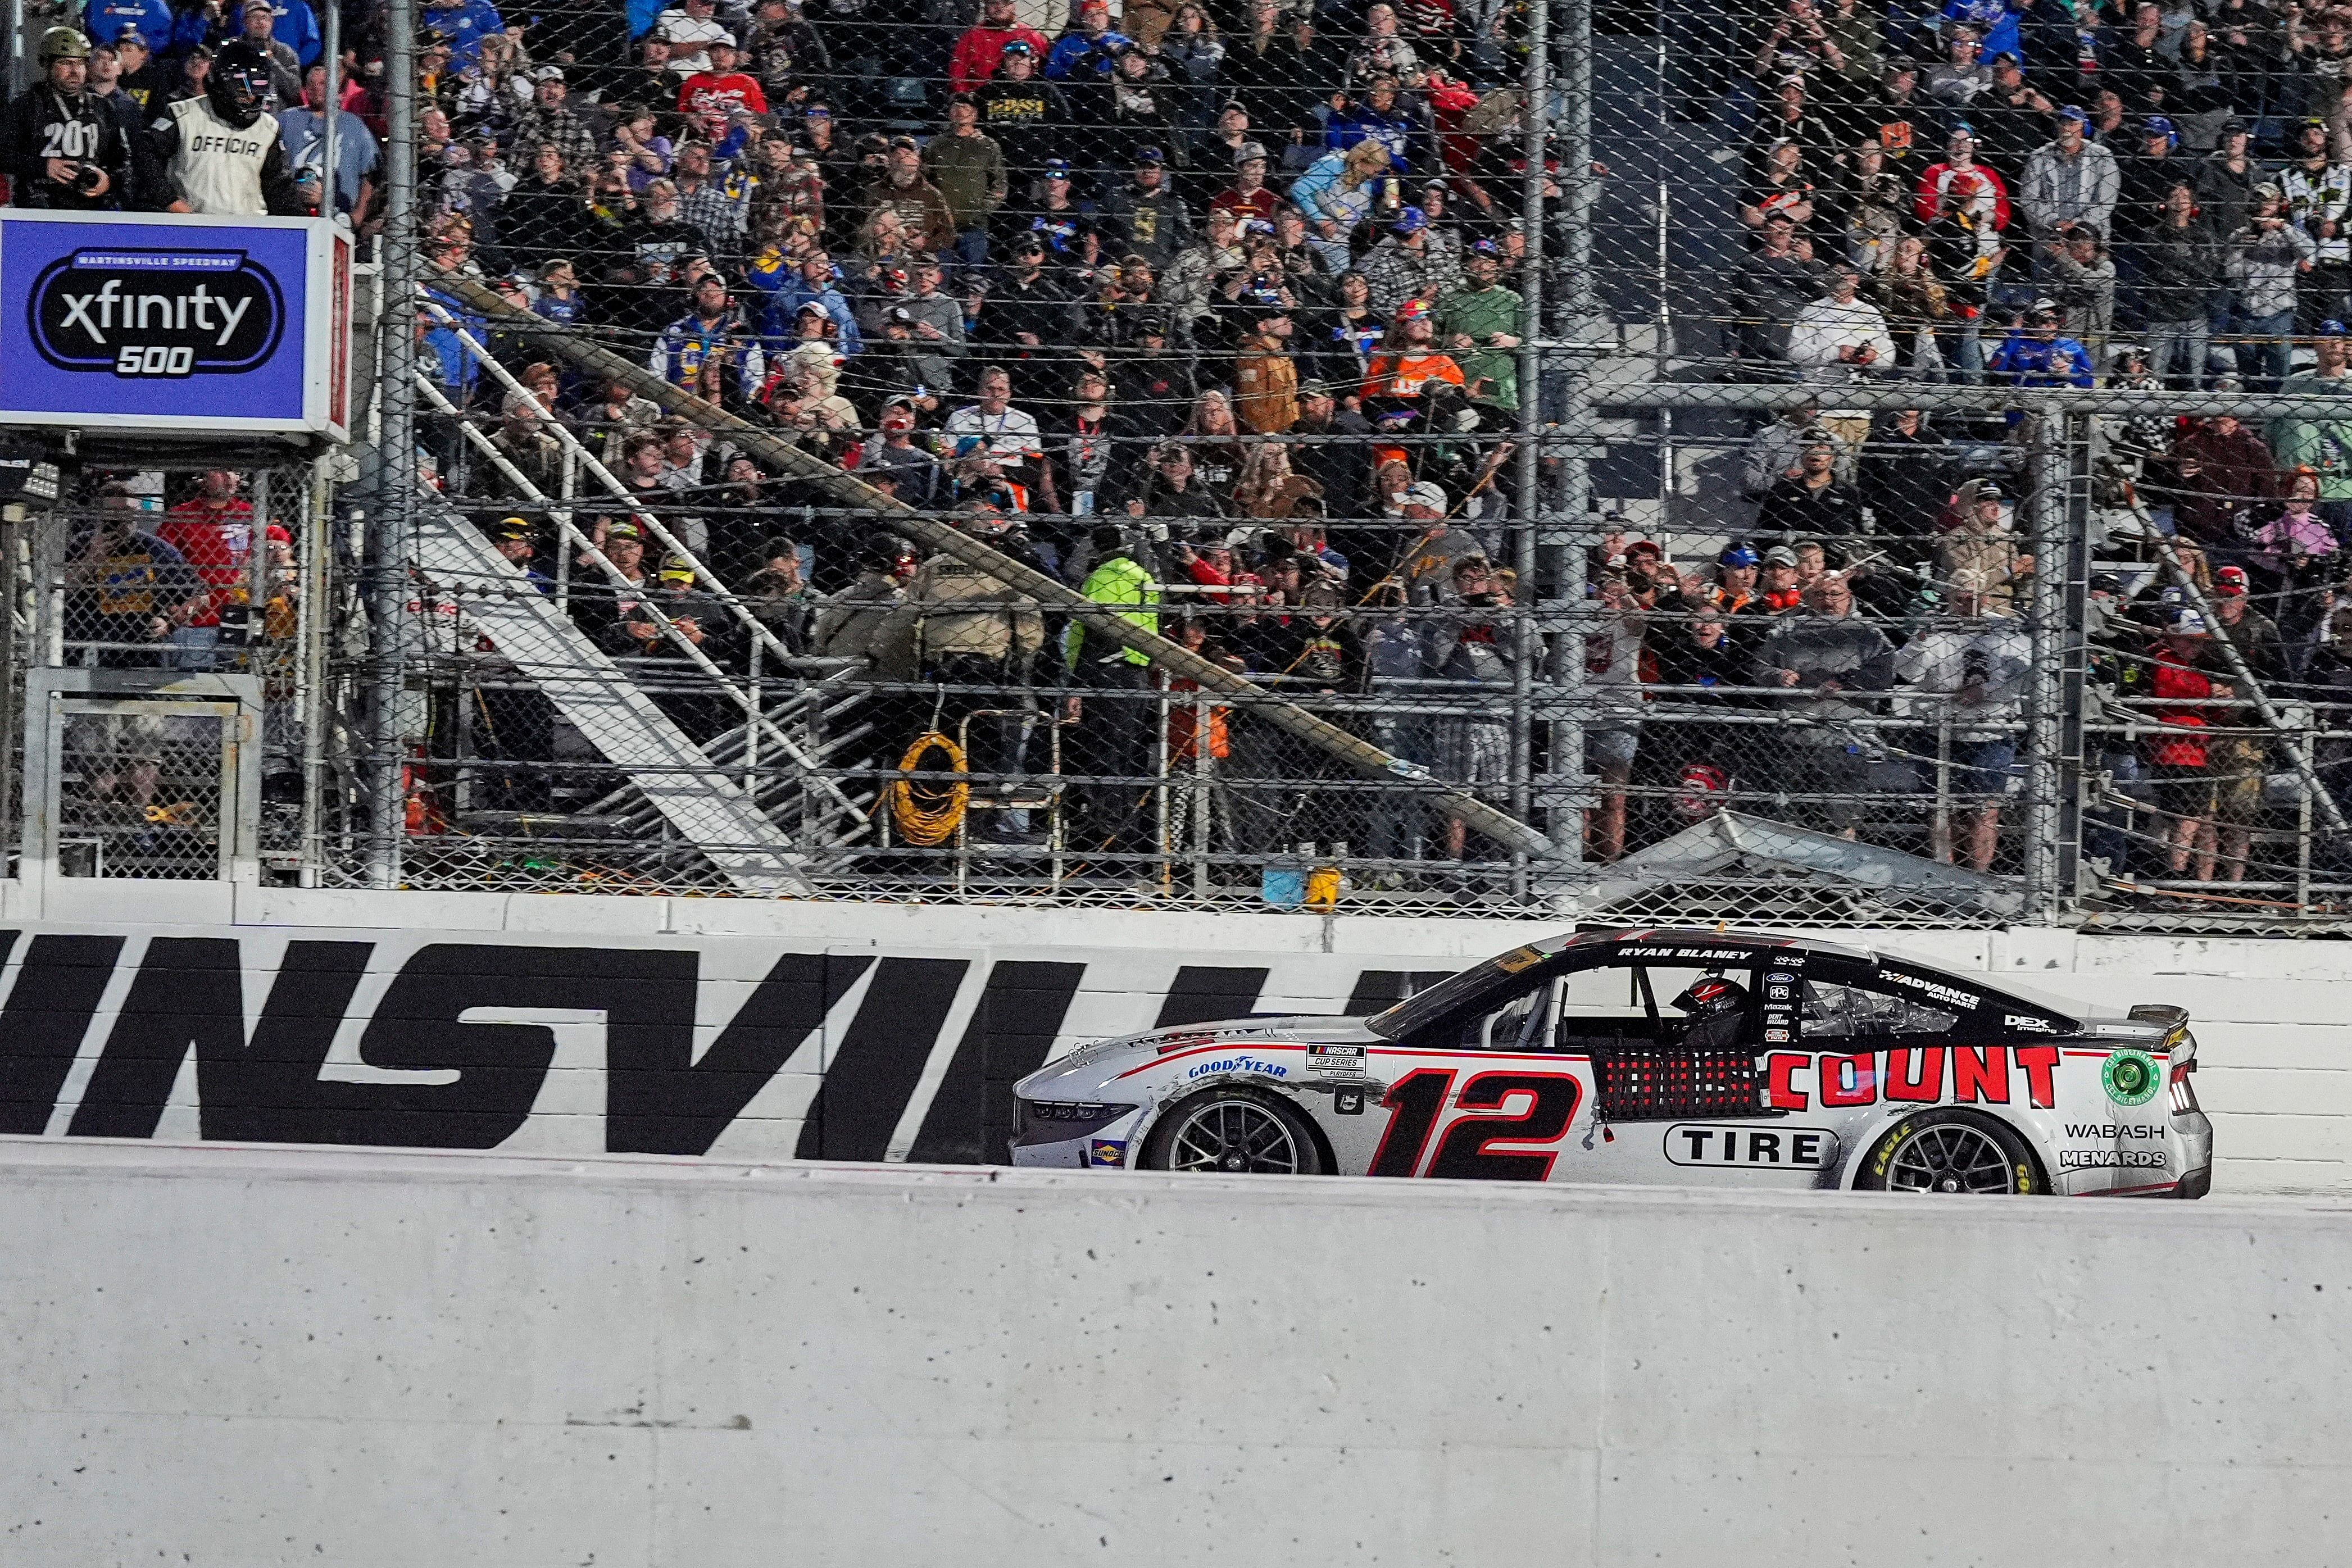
<point>221,153</point>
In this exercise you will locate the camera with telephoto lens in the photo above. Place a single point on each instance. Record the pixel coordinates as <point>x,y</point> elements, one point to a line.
<point>85,177</point>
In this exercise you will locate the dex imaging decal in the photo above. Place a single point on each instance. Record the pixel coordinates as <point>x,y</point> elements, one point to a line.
<point>165,313</point>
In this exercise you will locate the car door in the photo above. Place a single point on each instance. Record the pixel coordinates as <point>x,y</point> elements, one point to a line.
<point>1482,1092</point>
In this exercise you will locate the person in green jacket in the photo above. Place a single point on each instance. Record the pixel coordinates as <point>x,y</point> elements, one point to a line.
<point>1481,324</point>
<point>2322,446</point>
<point>1113,739</point>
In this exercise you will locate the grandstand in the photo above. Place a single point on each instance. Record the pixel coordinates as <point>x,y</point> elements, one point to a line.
<point>1785,465</point>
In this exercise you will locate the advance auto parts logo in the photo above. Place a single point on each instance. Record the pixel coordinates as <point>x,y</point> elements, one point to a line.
<point>156,314</point>
<point>2130,1077</point>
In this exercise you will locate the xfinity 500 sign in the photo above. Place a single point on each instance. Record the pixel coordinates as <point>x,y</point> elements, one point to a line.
<point>127,321</point>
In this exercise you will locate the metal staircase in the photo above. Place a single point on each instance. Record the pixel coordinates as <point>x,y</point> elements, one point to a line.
<point>670,777</point>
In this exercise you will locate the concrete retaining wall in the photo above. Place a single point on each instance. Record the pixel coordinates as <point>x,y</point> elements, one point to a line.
<point>861,1031</point>
<point>219,1357</point>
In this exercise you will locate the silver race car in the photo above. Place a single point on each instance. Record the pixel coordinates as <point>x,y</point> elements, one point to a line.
<point>1660,1057</point>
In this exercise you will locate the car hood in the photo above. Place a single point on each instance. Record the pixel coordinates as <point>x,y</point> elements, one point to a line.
<point>1084,1072</point>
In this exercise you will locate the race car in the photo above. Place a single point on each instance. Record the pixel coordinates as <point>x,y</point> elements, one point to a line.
<point>1660,1057</point>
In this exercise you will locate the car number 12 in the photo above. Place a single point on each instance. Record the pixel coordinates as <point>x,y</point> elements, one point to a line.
<point>1418,1100</point>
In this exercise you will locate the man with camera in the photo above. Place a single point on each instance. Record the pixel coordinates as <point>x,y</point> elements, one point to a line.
<point>64,148</point>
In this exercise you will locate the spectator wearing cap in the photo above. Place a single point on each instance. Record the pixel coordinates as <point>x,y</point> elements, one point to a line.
<point>1029,117</point>
<point>710,352</point>
<point>1984,544</point>
<point>1084,443</point>
<point>1410,363</point>
<point>1266,380</point>
<point>2221,469</point>
<point>1830,661</point>
<point>2179,282</point>
<point>1906,479</point>
<point>1114,722</point>
<point>2249,631</point>
<point>978,49</point>
<point>2316,184</point>
<point>1249,196</point>
<point>2009,118</point>
<point>922,209</point>
<point>2266,261</point>
<point>1735,586</point>
<point>1777,590</point>
<point>551,122</point>
<point>1841,336</point>
<point>1072,234</point>
<point>2201,99</point>
<point>2079,275</point>
<point>1026,304</point>
<point>1143,217</point>
<point>1474,643</point>
<point>1814,503</point>
<point>811,282</point>
<point>1084,53</point>
<point>2145,178</point>
<point>722,90</point>
<point>1776,451</point>
<point>2323,446</point>
<point>2070,178</point>
<point>1137,109</point>
<point>1973,668</point>
<point>2226,180</point>
<point>968,167</point>
<point>1404,266</point>
<point>2182,667</point>
<point>1481,322</point>
<point>2037,353</point>
<point>1434,545</point>
<point>915,474</point>
<point>1791,118</point>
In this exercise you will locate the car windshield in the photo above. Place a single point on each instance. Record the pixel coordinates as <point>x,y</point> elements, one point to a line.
<point>1469,991</point>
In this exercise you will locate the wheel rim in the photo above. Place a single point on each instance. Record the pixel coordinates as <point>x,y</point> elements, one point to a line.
<point>1951,1156</point>
<point>1236,1137</point>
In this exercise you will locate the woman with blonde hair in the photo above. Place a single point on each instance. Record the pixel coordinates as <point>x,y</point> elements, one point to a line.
<point>1268,490</point>
<point>1336,193</point>
<point>1214,443</point>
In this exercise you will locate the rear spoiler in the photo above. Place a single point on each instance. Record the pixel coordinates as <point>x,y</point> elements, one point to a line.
<point>2177,1040</point>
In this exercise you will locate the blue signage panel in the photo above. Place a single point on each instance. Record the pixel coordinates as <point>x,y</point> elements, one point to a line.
<point>118,322</point>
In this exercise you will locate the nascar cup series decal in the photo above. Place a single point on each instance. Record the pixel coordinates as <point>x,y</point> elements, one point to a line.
<point>155,314</point>
<point>2130,1077</point>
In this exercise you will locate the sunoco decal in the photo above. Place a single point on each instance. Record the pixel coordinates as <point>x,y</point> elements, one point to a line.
<point>165,313</point>
<point>2130,1077</point>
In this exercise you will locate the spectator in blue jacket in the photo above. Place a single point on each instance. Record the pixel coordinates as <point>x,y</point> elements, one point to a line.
<point>710,337</point>
<point>2036,356</point>
<point>1377,118</point>
<point>811,283</point>
<point>1089,49</point>
<point>466,22</point>
<point>105,20</point>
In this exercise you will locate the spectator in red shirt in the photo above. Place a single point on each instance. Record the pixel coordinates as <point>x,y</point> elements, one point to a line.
<point>976,53</point>
<point>1247,197</point>
<point>721,90</point>
<point>213,529</point>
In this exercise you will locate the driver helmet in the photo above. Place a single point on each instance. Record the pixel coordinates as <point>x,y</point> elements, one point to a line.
<point>1712,995</point>
<point>239,84</point>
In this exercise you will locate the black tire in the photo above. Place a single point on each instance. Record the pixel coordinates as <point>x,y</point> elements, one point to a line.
<point>1233,1130</point>
<point>1947,1151</point>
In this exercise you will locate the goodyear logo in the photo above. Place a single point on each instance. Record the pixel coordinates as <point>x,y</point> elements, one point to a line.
<point>156,314</point>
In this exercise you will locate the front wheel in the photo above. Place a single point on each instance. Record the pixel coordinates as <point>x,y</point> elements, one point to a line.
<point>1949,1151</point>
<point>1236,1131</point>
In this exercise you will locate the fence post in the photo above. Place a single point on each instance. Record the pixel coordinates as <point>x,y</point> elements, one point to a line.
<point>2049,515</point>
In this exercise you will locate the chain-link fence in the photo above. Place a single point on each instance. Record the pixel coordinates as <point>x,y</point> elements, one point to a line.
<point>1913,428</point>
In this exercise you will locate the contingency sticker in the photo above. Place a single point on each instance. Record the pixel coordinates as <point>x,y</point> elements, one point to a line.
<point>1106,1152</point>
<point>2130,1077</point>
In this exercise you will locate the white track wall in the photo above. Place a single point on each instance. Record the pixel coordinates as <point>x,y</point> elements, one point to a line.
<point>235,1358</point>
<point>922,1011</point>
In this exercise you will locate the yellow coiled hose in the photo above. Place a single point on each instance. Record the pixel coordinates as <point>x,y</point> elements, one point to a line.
<point>927,812</point>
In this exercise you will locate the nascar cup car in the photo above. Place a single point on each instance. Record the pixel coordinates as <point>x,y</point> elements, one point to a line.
<point>1668,1057</point>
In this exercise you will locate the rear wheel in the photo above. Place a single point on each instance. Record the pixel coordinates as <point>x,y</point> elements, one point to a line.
<point>1236,1131</point>
<point>1950,1152</point>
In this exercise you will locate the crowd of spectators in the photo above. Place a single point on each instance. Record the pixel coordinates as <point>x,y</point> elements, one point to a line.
<point>2018,190</point>
<point>1215,312</point>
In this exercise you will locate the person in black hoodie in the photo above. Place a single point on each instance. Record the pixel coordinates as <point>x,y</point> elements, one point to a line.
<point>544,216</point>
<point>1027,307</point>
<point>1905,480</point>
